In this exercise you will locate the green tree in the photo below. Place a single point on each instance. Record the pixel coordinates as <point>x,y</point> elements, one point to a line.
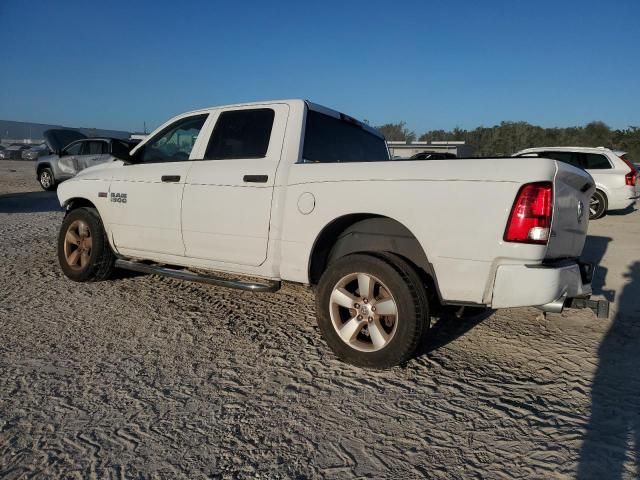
<point>397,132</point>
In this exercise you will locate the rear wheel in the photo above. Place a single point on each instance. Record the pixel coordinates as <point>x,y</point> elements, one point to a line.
<point>597,205</point>
<point>45,177</point>
<point>370,310</point>
<point>84,252</point>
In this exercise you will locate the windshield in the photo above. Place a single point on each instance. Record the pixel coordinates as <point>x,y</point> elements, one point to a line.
<point>329,139</point>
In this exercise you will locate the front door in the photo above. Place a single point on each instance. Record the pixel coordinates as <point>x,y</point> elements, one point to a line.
<point>145,196</point>
<point>226,206</point>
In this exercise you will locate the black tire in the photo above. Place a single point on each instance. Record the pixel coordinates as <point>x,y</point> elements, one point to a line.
<point>599,208</point>
<point>46,179</point>
<point>408,293</point>
<point>100,258</point>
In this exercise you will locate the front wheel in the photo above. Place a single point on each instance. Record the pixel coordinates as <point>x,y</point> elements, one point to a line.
<point>597,205</point>
<point>84,252</point>
<point>371,311</point>
<point>46,179</point>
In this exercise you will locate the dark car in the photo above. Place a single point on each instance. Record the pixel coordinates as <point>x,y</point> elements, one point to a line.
<point>432,156</point>
<point>13,151</point>
<point>35,151</point>
<point>72,152</point>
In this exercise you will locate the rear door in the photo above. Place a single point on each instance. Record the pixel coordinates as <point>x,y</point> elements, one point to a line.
<point>226,206</point>
<point>573,188</point>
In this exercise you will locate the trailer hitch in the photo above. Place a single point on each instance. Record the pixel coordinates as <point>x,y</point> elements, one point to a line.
<point>599,307</point>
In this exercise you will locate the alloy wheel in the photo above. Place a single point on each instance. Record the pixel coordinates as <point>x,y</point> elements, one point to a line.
<point>363,312</point>
<point>77,245</point>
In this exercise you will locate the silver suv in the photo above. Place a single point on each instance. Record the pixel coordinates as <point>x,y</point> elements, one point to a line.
<point>72,152</point>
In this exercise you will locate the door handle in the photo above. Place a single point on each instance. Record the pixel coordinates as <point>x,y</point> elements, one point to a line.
<point>170,178</point>
<point>255,178</point>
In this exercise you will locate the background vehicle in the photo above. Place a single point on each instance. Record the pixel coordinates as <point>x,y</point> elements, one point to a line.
<point>73,152</point>
<point>432,156</point>
<point>13,151</point>
<point>290,190</point>
<point>35,151</point>
<point>615,176</point>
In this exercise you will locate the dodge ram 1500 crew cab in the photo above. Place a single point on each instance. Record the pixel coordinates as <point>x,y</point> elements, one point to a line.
<point>290,190</point>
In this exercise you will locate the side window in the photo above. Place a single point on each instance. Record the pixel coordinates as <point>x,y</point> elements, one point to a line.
<point>95,148</point>
<point>241,134</point>
<point>595,161</point>
<point>74,149</point>
<point>567,157</point>
<point>174,143</point>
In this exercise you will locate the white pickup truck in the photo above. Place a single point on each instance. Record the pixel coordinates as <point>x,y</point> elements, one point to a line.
<point>290,190</point>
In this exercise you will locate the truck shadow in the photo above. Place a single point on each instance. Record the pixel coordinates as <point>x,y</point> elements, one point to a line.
<point>612,440</point>
<point>594,249</point>
<point>29,202</point>
<point>449,327</point>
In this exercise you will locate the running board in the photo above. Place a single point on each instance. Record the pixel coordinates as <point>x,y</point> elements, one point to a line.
<point>195,277</point>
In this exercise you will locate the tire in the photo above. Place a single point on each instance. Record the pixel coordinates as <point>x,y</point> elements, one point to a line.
<point>82,231</point>
<point>46,179</point>
<point>371,339</point>
<point>597,205</point>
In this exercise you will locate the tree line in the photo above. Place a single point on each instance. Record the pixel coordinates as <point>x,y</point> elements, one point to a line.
<point>509,137</point>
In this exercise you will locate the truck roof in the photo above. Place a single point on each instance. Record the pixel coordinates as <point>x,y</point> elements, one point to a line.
<point>293,101</point>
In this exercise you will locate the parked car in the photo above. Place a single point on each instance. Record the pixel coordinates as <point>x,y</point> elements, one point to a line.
<point>432,156</point>
<point>72,153</point>
<point>615,176</point>
<point>290,190</point>
<point>35,151</point>
<point>13,151</point>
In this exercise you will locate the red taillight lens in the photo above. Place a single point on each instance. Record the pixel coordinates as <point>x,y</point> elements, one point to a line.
<point>630,178</point>
<point>530,219</point>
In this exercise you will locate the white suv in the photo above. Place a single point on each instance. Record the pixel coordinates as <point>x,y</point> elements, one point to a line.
<point>615,176</point>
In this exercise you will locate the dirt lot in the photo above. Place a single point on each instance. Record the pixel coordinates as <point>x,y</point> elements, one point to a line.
<point>157,378</point>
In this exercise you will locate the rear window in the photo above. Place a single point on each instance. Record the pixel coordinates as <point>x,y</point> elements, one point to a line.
<point>328,139</point>
<point>241,134</point>
<point>595,161</point>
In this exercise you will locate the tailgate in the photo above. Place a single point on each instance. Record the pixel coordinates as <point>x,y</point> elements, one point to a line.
<point>572,189</point>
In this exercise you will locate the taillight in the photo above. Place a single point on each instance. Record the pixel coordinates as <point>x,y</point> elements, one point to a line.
<point>630,178</point>
<point>530,219</point>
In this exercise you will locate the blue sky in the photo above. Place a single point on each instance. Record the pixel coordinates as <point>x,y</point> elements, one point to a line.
<point>433,64</point>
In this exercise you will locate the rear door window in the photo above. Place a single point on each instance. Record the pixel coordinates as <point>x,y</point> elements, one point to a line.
<point>241,134</point>
<point>595,161</point>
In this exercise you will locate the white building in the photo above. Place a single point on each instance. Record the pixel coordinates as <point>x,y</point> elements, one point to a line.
<point>406,150</point>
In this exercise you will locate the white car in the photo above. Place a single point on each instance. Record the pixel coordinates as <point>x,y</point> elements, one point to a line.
<point>615,176</point>
<point>290,190</point>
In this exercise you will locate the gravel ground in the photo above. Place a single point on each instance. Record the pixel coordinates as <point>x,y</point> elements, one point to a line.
<point>143,376</point>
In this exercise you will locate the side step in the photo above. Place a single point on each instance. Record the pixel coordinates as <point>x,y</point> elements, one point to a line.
<point>195,277</point>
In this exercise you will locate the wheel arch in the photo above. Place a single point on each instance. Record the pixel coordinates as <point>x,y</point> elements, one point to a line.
<point>369,233</point>
<point>42,166</point>
<point>77,202</point>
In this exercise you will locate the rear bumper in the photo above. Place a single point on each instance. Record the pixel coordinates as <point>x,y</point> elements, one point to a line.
<point>535,285</point>
<point>621,198</point>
